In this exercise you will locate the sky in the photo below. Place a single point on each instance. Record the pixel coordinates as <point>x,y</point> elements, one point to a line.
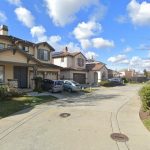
<point>116,33</point>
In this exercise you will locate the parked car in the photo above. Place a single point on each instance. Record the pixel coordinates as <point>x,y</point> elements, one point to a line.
<point>118,80</point>
<point>52,85</point>
<point>71,86</point>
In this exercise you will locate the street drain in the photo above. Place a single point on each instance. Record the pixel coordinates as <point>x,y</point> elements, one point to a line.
<point>64,115</point>
<point>119,137</point>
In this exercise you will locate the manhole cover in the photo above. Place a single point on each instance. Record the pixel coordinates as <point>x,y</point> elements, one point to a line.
<point>119,137</point>
<point>64,115</point>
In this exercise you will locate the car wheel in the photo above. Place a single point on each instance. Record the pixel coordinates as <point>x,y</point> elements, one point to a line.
<point>70,90</point>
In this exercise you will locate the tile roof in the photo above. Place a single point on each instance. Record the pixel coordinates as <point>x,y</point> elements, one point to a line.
<point>64,54</point>
<point>30,57</point>
<point>94,66</point>
<point>18,40</point>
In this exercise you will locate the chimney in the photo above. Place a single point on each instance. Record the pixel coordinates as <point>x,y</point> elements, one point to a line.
<point>66,49</point>
<point>3,30</point>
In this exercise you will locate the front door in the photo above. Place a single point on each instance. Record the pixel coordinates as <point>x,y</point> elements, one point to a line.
<point>21,74</point>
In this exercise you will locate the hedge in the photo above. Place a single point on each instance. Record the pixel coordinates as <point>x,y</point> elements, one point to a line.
<point>145,97</point>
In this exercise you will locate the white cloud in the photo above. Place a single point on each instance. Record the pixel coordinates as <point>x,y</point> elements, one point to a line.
<point>3,17</point>
<point>139,13</point>
<point>121,19</point>
<point>90,55</point>
<point>135,62</point>
<point>39,33</point>
<point>144,47</point>
<point>102,43</point>
<point>119,59</point>
<point>139,63</point>
<point>127,49</point>
<point>14,2</point>
<point>25,16</point>
<point>98,12</point>
<point>85,43</point>
<point>63,12</point>
<point>85,30</point>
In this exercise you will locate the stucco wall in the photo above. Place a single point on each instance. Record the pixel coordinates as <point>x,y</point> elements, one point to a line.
<point>8,56</point>
<point>57,61</point>
<point>6,42</point>
<point>8,72</point>
<point>94,79</point>
<point>76,61</point>
<point>65,75</point>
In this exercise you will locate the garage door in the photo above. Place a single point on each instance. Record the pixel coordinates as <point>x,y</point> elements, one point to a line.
<point>79,77</point>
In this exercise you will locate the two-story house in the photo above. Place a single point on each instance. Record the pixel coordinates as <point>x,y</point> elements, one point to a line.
<point>74,65</point>
<point>22,60</point>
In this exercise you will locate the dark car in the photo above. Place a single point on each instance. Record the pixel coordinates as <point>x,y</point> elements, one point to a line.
<point>52,85</point>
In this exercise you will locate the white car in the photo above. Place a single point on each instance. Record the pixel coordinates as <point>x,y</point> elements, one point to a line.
<point>71,86</point>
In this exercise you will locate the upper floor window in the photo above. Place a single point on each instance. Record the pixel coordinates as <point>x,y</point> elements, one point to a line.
<point>24,48</point>
<point>43,54</point>
<point>80,62</point>
<point>62,59</point>
<point>2,45</point>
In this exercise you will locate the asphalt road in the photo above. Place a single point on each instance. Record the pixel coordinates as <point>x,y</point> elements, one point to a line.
<point>93,118</point>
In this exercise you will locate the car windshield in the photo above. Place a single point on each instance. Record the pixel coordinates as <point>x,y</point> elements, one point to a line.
<point>58,82</point>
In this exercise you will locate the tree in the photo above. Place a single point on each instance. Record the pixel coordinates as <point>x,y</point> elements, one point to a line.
<point>145,73</point>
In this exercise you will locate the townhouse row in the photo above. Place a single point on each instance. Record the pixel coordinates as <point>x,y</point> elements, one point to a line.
<point>22,60</point>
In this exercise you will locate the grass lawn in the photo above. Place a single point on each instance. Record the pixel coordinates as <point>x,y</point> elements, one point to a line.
<point>9,106</point>
<point>147,123</point>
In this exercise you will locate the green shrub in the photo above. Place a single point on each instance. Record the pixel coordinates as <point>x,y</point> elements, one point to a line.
<point>145,97</point>
<point>3,91</point>
<point>125,80</point>
<point>108,83</point>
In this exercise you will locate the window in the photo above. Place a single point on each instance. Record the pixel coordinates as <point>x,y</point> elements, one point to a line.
<point>80,62</point>
<point>2,45</point>
<point>1,74</point>
<point>9,45</point>
<point>25,48</point>
<point>43,55</point>
<point>62,59</point>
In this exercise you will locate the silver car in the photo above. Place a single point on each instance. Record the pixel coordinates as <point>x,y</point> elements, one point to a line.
<point>56,86</point>
<point>71,86</point>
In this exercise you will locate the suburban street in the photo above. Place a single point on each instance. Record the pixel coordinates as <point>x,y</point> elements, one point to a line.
<point>93,118</point>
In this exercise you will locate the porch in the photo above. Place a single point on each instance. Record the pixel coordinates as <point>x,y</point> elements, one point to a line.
<point>16,74</point>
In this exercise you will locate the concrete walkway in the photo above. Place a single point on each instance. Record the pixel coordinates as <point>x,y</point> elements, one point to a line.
<point>94,117</point>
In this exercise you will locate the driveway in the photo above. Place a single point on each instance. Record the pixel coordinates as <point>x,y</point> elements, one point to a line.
<point>93,118</point>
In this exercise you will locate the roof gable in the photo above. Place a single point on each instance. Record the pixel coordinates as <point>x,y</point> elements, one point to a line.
<point>45,44</point>
<point>65,54</point>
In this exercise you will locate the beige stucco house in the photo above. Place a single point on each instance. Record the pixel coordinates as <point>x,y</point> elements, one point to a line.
<point>77,68</point>
<point>21,60</point>
<point>74,65</point>
<point>97,72</point>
